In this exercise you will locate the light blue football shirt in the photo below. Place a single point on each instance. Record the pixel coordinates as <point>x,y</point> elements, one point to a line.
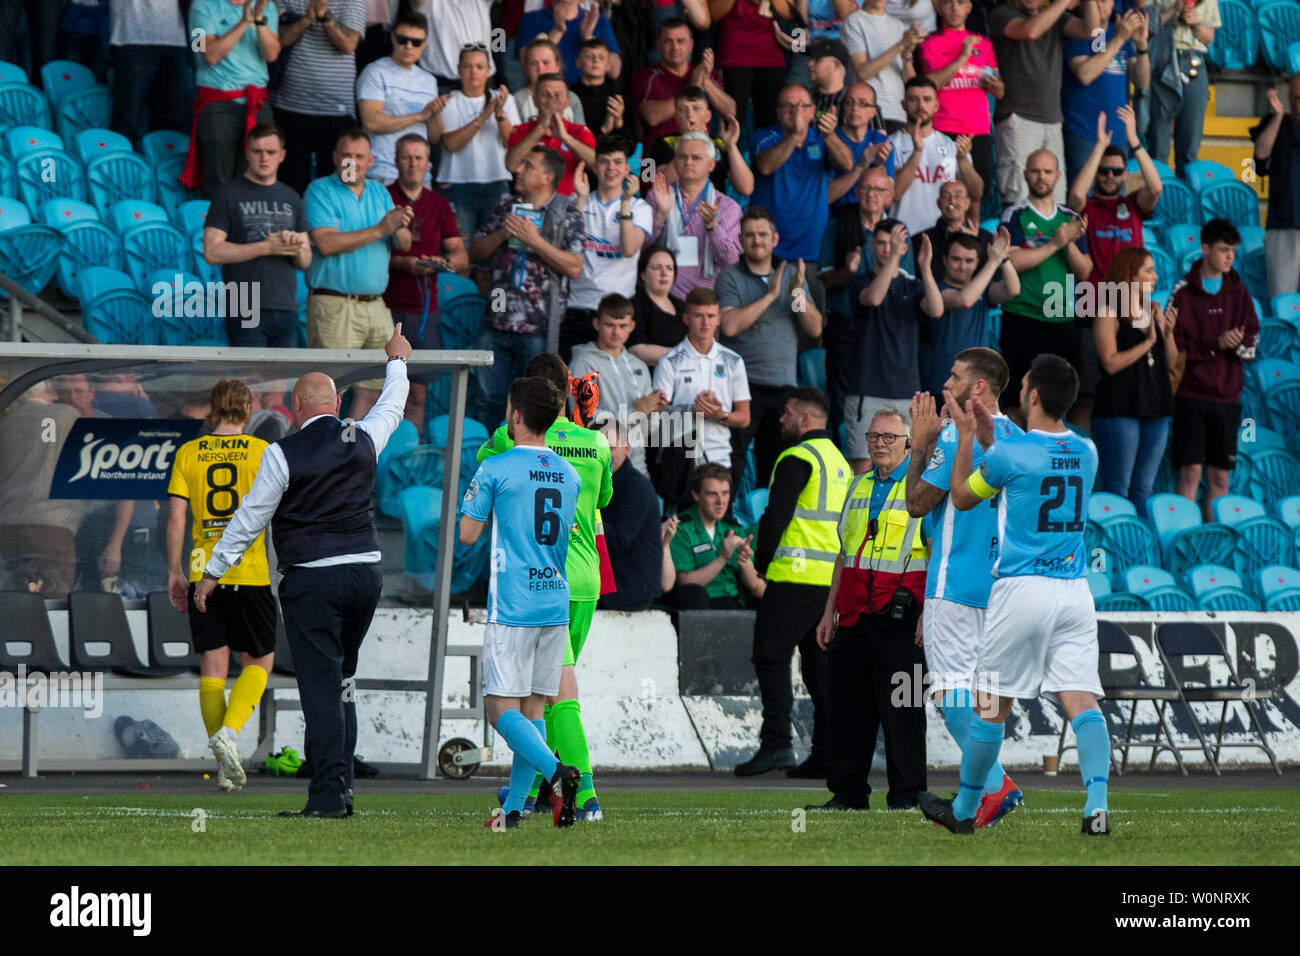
<point>332,203</point>
<point>532,495</point>
<point>1046,478</point>
<point>965,543</point>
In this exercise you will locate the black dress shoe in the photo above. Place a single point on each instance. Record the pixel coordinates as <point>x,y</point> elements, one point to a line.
<point>347,802</point>
<point>766,760</point>
<point>316,814</point>
<point>814,768</point>
<point>835,803</point>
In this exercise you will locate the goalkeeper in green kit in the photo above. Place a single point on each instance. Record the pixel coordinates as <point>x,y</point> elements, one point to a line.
<point>588,452</point>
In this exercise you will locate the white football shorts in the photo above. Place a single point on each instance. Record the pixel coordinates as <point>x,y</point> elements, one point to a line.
<point>951,634</point>
<point>518,661</point>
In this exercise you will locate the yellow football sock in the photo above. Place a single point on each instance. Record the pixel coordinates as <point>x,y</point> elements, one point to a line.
<point>212,702</point>
<point>244,696</point>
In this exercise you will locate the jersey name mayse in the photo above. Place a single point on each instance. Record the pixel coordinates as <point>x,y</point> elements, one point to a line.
<point>547,477</point>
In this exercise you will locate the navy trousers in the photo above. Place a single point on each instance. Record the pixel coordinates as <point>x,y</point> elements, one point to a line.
<point>327,612</point>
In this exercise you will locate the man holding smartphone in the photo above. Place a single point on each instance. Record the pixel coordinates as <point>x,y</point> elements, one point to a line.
<point>436,246</point>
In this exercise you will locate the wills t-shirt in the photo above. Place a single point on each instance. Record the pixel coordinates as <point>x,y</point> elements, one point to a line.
<point>247,212</point>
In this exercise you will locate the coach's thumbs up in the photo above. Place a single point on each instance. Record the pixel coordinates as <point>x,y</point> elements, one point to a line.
<point>397,346</point>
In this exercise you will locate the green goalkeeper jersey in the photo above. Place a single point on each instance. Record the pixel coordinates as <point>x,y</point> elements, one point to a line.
<point>588,452</point>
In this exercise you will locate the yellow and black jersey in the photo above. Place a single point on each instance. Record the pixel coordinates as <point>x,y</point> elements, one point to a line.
<point>214,473</point>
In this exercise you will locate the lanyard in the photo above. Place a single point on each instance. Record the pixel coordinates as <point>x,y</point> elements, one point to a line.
<point>677,192</point>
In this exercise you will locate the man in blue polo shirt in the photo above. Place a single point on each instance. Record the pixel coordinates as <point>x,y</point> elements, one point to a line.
<point>353,223</point>
<point>793,162</point>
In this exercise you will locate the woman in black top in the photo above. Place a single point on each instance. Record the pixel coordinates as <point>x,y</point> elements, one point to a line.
<point>658,315</point>
<point>1134,399</point>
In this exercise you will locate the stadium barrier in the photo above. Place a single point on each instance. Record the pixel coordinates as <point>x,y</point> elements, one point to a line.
<point>652,699</point>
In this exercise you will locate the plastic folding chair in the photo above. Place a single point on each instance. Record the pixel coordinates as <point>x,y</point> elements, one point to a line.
<point>1131,684</point>
<point>1178,641</point>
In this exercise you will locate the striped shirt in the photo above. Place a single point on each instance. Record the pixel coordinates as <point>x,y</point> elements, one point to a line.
<point>320,79</point>
<point>724,243</point>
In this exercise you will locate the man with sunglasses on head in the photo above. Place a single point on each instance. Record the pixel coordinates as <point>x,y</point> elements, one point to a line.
<point>396,98</point>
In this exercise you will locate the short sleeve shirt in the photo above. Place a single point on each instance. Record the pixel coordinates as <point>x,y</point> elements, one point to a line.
<point>332,204</point>
<point>604,268</point>
<point>889,337</point>
<point>320,79</point>
<point>963,104</point>
<point>693,547</point>
<point>796,194</point>
<point>1113,224</point>
<point>918,207</point>
<point>1031,69</point>
<point>244,65</point>
<point>872,35</point>
<point>401,93</point>
<point>683,373</point>
<point>434,223</point>
<point>581,133</point>
<point>1029,230</point>
<point>249,212</point>
<point>483,159</point>
<point>1105,94</point>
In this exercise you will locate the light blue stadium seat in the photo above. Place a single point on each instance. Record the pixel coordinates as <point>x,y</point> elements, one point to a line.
<point>163,145</point>
<point>60,78</point>
<point>1177,203</point>
<point>420,465</point>
<point>178,328</point>
<point>404,438</point>
<point>1184,540</point>
<point>153,246</point>
<point>1103,505</point>
<point>1262,540</point>
<point>46,174</point>
<point>1163,169</point>
<point>812,369</point>
<point>1159,589</point>
<point>1189,259</point>
<point>132,213</point>
<point>991,225</point>
<point>114,311</point>
<point>1098,584</point>
<point>12,73</point>
<point>421,509</point>
<point>191,215</point>
<point>1286,307</point>
<point>452,286</point>
<point>1149,237</point>
<point>1253,270</point>
<point>172,194</point>
<point>1275,474</point>
<point>88,242</point>
<point>1280,588</point>
<point>22,104</point>
<point>1201,174</point>
<point>90,144</point>
<point>475,432</point>
<point>460,320</point>
<point>21,140</point>
<point>1252,237</point>
<point>1167,270</point>
<point>1217,588</point>
<point>1236,43</point>
<point>1282,405</point>
<point>1277,339</point>
<point>1279,27</point>
<point>1232,200</point>
<point>755,505</point>
<point>1293,58</point>
<point>206,272</point>
<point>1182,238</point>
<point>91,108</point>
<point>1127,540</point>
<point>29,252</point>
<point>115,176</point>
<point>1121,601</point>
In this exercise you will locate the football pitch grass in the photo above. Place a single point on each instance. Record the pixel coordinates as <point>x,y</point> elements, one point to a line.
<point>749,827</point>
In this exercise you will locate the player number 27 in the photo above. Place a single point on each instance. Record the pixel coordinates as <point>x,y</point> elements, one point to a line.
<point>1055,489</point>
<point>546,523</point>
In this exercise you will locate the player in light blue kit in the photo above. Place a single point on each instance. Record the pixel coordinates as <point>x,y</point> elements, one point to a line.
<point>962,549</point>
<point>532,495</point>
<point>1040,630</point>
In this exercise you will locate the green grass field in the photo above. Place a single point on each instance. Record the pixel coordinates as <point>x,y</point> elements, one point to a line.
<point>713,827</point>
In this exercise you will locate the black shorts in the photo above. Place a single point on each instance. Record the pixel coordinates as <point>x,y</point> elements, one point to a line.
<point>241,617</point>
<point>1205,433</point>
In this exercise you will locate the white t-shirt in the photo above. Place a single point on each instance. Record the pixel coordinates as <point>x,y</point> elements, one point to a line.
<point>483,159</point>
<point>523,101</point>
<point>401,91</point>
<point>683,373</point>
<point>918,207</point>
<point>146,23</point>
<point>922,12</point>
<point>454,23</point>
<point>604,270</point>
<point>873,35</point>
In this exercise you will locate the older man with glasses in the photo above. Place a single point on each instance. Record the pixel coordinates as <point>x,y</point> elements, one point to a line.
<point>396,98</point>
<point>860,130</point>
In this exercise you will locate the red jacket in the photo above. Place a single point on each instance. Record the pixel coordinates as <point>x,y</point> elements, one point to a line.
<point>1212,374</point>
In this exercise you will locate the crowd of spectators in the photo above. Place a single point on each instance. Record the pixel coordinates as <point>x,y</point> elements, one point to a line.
<point>684,195</point>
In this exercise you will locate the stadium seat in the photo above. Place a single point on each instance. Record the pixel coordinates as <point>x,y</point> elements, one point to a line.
<point>129,213</point>
<point>416,466</point>
<point>1120,601</point>
<point>89,242</point>
<point>1286,307</point>
<point>190,216</point>
<point>29,252</point>
<point>1275,474</point>
<point>1163,169</point>
<point>171,643</point>
<point>113,310</point>
<point>91,108</point>
<point>1277,339</point>
<point>1279,27</point>
<point>1262,540</point>
<point>46,174</point>
<point>1103,505</point>
<point>153,246</point>
<point>475,432</point>
<point>1098,584</point>
<point>96,617</point>
<point>1253,270</point>
<point>1149,237</point>
<point>12,73</point>
<point>1282,407</point>
<point>1232,200</point>
<point>22,104</point>
<point>1293,58</point>
<point>1279,586</point>
<point>461,320</point>
<point>1236,44</point>
<point>90,144</point>
<point>812,369</point>
<point>115,176</point>
<point>1182,238</point>
<point>1168,271</point>
<point>1127,540</point>
<point>421,509</point>
<point>1190,258</point>
<point>1184,540</point>
<point>1217,588</point>
<point>452,286</point>
<point>1177,203</point>
<point>1158,588</point>
<point>21,140</point>
<point>1192,679</point>
<point>171,193</point>
<point>404,438</point>
<point>183,329</point>
<point>991,225</point>
<point>164,144</point>
<point>29,642</point>
<point>1200,174</point>
<point>1252,237</point>
<point>211,273</point>
<point>60,78</point>
<point>755,505</point>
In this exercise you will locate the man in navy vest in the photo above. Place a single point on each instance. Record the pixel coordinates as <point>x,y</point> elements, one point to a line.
<point>316,487</point>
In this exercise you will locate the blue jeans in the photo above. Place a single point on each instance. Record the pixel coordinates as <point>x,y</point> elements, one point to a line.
<point>511,353</point>
<point>1186,121</point>
<point>1130,450</point>
<point>512,71</point>
<point>275,329</point>
<point>473,202</point>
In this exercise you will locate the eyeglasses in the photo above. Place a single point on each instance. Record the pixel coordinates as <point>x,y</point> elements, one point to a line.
<point>405,40</point>
<point>1111,171</point>
<point>883,438</point>
<point>481,47</point>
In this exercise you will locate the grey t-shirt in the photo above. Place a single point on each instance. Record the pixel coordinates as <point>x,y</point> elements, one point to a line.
<point>770,346</point>
<point>1031,69</point>
<point>247,212</point>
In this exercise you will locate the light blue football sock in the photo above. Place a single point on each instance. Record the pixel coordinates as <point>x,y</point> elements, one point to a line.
<point>1094,758</point>
<point>521,777</point>
<point>983,742</point>
<point>958,712</point>
<point>526,741</point>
